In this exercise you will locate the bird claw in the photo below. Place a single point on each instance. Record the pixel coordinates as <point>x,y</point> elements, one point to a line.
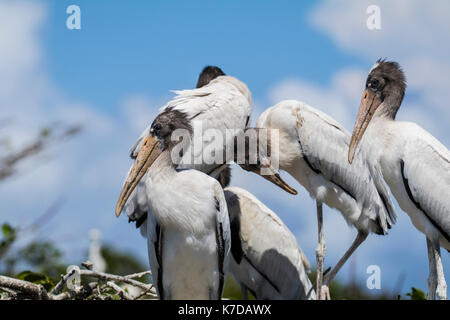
<point>324,293</point>
<point>441,292</point>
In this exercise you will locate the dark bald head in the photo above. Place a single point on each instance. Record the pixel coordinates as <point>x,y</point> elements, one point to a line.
<point>389,72</point>
<point>388,81</point>
<point>208,74</point>
<point>166,123</point>
<point>382,97</point>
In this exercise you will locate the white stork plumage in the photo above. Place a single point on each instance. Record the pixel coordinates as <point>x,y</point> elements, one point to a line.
<point>414,164</point>
<point>310,149</point>
<point>221,102</point>
<point>218,103</point>
<point>188,232</point>
<point>265,257</point>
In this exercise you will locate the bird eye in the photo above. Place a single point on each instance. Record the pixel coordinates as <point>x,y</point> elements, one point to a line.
<point>156,129</point>
<point>374,84</point>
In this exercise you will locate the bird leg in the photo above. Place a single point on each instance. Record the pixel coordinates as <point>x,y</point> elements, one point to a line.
<point>432,281</point>
<point>325,293</point>
<point>360,237</point>
<point>436,280</point>
<point>320,251</point>
<point>441,290</point>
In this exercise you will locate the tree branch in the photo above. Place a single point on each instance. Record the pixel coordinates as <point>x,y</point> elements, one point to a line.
<point>60,285</point>
<point>19,288</point>
<point>8,163</point>
<point>107,276</point>
<point>122,293</point>
<point>32,290</point>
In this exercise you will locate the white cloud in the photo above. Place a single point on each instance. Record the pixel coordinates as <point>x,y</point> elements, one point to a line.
<point>19,47</point>
<point>137,110</point>
<point>87,170</point>
<point>408,27</point>
<point>414,33</point>
<point>417,35</point>
<point>339,99</point>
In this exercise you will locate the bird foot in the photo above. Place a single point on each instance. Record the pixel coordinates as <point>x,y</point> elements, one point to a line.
<point>325,293</point>
<point>441,292</point>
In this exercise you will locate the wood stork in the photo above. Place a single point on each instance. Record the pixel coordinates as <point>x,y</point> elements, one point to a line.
<point>219,102</point>
<point>414,164</point>
<point>188,230</point>
<point>265,257</point>
<point>198,105</point>
<point>309,148</point>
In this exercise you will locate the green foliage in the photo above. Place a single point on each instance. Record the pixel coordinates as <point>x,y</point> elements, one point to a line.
<point>8,237</point>
<point>350,291</point>
<point>44,257</point>
<point>40,256</point>
<point>232,289</point>
<point>416,294</point>
<point>45,265</point>
<point>8,232</point>
<point>120,262</point>
<point>40,253</point>
<point>37,278</point>
<point>338,290</point>
<point>45,132</point>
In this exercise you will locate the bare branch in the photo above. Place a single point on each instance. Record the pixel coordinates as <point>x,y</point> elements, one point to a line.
<point>148,292</point>
<point>18,288</point>
<point>122,293</point>
<point>107,276</point>
<point>30,289</point>
<point>88,265</point>
<point>8,163</point>
<point>60,285</point>
<point>10,292</point>
<point>138,275</point>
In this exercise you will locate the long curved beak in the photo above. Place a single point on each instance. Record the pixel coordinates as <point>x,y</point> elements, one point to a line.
<point>369,103</point>
<point>276,179</point>
<point>273,176</point>
<point>149,152</point>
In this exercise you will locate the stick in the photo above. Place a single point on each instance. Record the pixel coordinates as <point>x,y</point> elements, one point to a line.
<point>35,291</point>
<point>122,293</point>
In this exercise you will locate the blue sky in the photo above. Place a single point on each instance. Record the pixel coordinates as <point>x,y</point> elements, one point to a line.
<point>153,46</point>
<point>114,74</point>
